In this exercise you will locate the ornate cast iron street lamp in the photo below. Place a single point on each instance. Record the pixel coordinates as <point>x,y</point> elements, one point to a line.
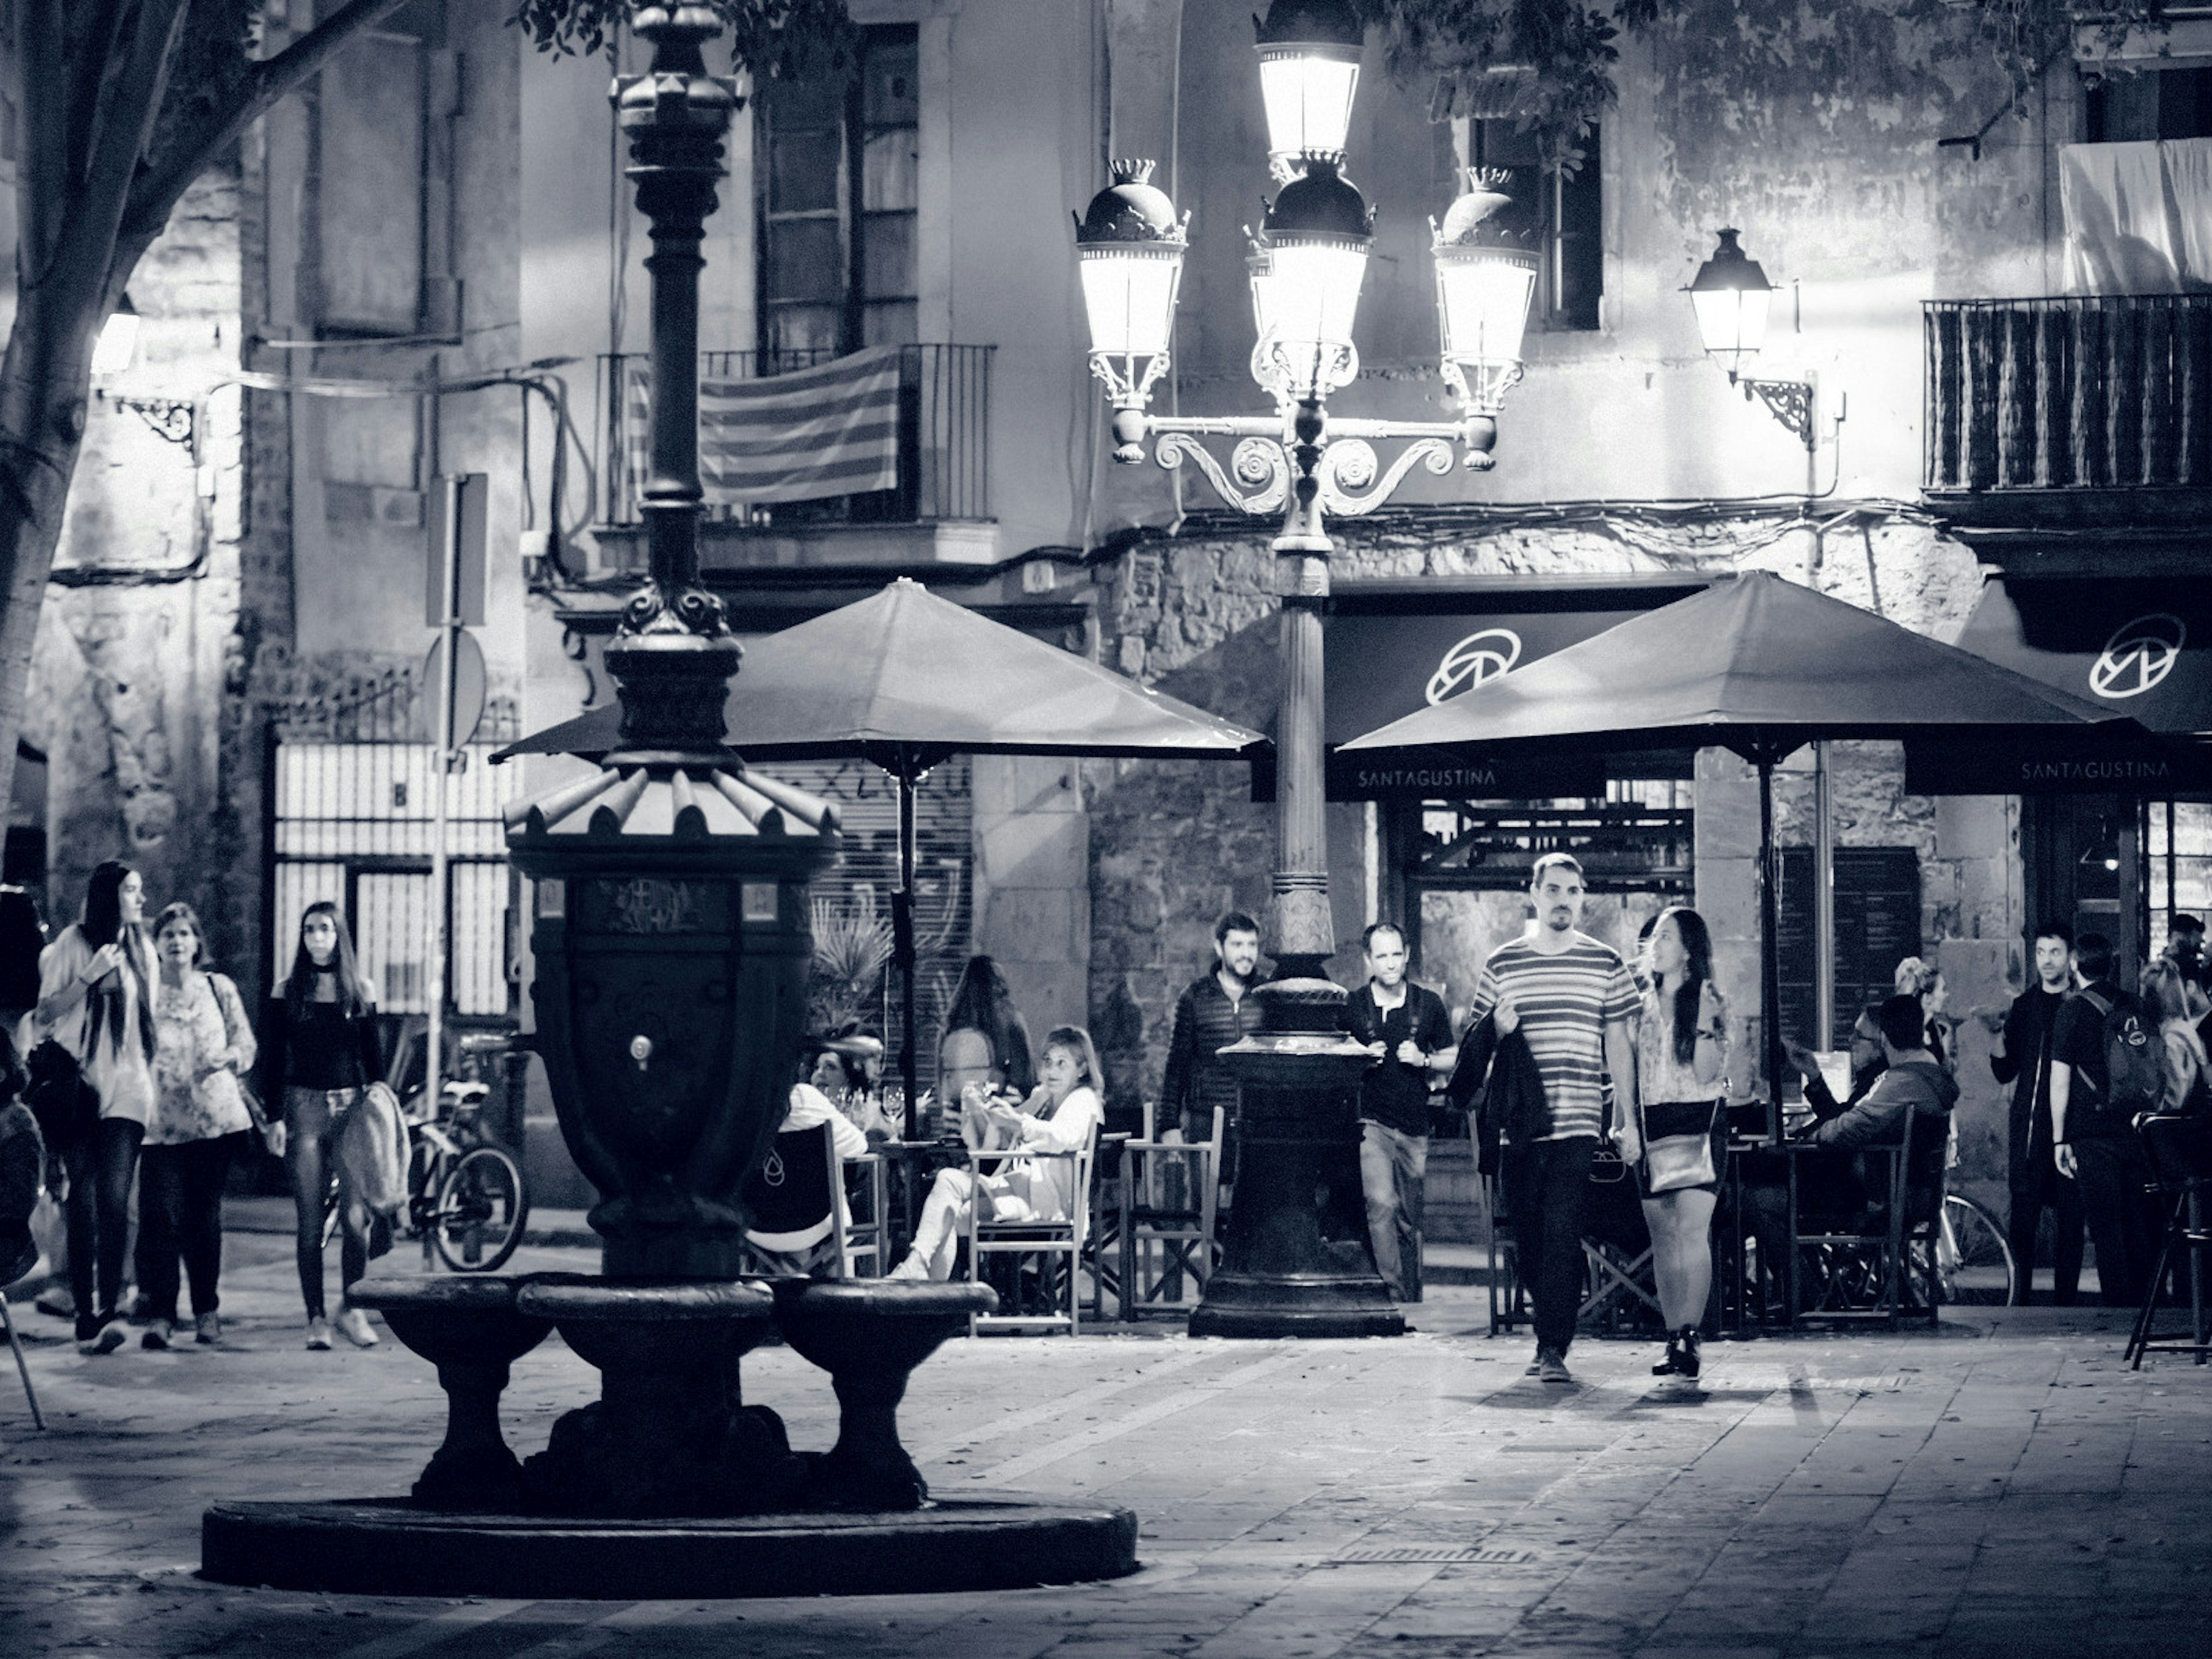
<point>1732,297</point>
<point>1279,1275</point>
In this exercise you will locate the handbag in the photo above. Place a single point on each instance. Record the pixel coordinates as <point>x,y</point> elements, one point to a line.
<point>66,1105</point>
<point>1671,1163</point>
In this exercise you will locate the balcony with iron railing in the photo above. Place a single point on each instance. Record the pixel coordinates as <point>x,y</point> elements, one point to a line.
<point>938,510</point>
<point>2085,412</point>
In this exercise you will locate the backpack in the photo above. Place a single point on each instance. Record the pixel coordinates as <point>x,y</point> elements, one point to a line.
<point>2134,1065</point>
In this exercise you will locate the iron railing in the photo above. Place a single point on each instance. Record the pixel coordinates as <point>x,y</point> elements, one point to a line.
<point>2099,392</point>
<point>944,438</point>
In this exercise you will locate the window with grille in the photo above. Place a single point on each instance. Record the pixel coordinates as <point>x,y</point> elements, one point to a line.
<point>838,198</point>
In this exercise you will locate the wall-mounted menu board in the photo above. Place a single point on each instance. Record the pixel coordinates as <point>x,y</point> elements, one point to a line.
<point>1877,925</point>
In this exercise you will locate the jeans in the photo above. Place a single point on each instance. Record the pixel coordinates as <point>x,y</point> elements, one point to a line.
<point>100,1164</point>
<point>1391,1167</point>
<point>2040,1187</point>
<point>180,1212</point>
<point>1545,1185</point>
<point>312,1120</point>
<point>2123,1220</point>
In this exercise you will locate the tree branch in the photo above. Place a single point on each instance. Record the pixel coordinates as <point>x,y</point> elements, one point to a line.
<point>132,100</point>
<point>45,129</point>
<point>159,189</point>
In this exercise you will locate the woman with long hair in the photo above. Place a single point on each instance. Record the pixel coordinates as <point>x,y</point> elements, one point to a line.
<point>319,1052</point>
<point>1062,1116</point>
<point>1681,1052</point>
<point>96,1001</point>
<point>2188,1072</point>
<point>203,1042</point>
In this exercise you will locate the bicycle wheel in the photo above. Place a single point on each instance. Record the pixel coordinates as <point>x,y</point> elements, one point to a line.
<point>1973,1262</point>
<point>480,1212</point>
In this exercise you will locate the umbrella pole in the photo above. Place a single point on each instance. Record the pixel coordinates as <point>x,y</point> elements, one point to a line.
<point>902,953</point>
<point>1770,966</point>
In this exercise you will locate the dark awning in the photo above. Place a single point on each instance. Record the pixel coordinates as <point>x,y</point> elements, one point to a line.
<point>2138,647</point>
<point>2142,649</point>
<point>1395,647</point>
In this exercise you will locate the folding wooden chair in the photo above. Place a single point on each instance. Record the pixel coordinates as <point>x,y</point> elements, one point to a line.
<point>24,1371</point>
<point>1056,1241</point>
<point>867,1237</point>
<point>1866,1273</point>
<point>796,1198</point>
<point>1168,1231</point>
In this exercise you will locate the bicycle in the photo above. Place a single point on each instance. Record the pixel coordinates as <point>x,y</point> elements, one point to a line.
<point>1974,1265</point>
<point>466,1198</point>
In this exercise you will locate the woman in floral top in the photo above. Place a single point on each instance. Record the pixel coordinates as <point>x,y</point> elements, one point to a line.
<point>203,1043</point>
<point>1681,1053</point>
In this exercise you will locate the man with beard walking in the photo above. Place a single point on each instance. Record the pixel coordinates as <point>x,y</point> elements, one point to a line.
<point>1572,999</point>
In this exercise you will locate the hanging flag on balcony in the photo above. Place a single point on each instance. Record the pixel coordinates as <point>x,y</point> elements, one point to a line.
<point>830,431</point>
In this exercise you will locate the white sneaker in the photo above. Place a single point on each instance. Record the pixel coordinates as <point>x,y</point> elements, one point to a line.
<point>911,1267</point>
<point>353,1325</point>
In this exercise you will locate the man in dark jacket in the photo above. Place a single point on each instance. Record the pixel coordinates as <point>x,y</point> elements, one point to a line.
<point>1213,1012</point>
<point>2022,1058</point>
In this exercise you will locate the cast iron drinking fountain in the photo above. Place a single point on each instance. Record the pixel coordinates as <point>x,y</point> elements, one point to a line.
<point>672,943</point>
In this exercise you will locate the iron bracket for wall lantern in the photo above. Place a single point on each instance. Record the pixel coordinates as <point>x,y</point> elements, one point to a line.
<point>1789,402</point>
<point>168,418</point>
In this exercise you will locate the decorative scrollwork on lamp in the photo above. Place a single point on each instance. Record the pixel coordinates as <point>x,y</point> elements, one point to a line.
<point>1262,469</point>
<point>1348,465</point>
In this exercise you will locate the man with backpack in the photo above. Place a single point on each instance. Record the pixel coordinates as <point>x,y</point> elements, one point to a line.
<point>2107,1065</point>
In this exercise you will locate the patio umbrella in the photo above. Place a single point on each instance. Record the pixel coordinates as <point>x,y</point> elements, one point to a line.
<point>1758,665</point>
<point>904,679</point>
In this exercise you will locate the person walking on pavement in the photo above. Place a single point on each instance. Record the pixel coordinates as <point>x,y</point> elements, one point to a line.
<point>319,1053</point>
<point>1408,1032</point>
<point>1573,1001</point>
<point>2022,1058</point>
<point>1213,1012</point>
<point>203,1043</point>
<point>1681,1053</point>
<point>2105,1066</point>
<point>96,1001</point>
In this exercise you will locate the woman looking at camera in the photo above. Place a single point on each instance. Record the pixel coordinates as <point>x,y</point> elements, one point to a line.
<point>1678,1148</point>
<point>319,1053</point>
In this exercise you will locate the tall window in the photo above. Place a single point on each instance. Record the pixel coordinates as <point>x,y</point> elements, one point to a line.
<point>1560,214</point>
<point>838,189</point>
<point>2169,103</point>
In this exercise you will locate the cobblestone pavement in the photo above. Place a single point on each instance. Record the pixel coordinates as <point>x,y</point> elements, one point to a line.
<point>2001,1487</point>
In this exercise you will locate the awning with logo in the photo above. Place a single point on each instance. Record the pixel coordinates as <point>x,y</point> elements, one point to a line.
<point>1396,647</point>
<point>2140,648</point>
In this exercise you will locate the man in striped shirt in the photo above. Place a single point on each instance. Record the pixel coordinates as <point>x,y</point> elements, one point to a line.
<point>1572,1000</point>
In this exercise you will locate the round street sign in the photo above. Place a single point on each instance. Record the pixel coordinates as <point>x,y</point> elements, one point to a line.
<point>470,686</point>
<point>2138,656</point>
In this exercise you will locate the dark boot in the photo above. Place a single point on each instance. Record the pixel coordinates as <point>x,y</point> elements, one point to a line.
<point>1686,1360</point>
<point>1672,1364</point>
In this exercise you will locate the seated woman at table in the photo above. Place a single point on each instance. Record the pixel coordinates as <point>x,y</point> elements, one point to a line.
<point>1062,1116</point>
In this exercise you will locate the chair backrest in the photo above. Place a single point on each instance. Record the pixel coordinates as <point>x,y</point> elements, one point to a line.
<point>792,1199</point>
<point>2179,1146</point>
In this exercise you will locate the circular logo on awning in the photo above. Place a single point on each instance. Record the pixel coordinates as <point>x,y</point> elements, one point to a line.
<point>1477,658</point>
<point>2138,656</point>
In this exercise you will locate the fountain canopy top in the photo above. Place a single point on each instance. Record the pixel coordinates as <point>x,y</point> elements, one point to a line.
<point>704,812</point>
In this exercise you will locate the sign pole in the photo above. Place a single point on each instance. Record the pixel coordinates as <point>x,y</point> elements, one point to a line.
<point>447,555</point>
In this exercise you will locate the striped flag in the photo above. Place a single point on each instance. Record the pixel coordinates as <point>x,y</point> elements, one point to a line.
<point>830,431</point>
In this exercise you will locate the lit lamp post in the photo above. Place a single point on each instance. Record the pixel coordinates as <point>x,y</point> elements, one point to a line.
<point>1279,1276</point>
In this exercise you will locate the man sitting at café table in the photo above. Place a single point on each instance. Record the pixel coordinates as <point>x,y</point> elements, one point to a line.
<point>1837,1194</point>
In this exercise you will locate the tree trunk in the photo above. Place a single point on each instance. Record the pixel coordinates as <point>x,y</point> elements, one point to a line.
<point>43,386</point>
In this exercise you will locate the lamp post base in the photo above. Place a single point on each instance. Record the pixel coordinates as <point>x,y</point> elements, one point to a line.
<point>1281,1274</point>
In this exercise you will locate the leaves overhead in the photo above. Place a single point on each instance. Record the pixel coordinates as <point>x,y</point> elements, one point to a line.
<point>785,40</point>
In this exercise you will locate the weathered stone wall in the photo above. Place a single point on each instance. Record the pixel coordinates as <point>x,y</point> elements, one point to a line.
<point>140,641</point>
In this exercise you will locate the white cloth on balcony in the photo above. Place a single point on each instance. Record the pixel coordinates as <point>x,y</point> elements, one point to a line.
<point>2138,217</point>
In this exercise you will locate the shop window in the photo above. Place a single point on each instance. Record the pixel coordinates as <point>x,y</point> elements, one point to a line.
<point>2170,103</point>
<point>2177,871</point>
<point>839,194</point>
<point>1561,214</point>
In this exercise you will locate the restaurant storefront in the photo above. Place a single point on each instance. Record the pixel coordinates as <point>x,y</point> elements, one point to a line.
<point>2107,842</point>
